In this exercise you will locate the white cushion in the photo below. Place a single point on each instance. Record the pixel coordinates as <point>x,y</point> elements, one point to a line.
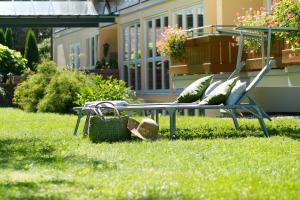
<point>210,88</point>
<point>115,102</point>
<point>236,93</point>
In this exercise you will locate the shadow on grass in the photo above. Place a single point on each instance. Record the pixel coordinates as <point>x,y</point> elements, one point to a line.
<point>21,154</point>
<point>32,190</point>
<point>243,131</point>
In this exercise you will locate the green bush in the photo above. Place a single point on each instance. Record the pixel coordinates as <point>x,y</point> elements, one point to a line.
<point>9,41</point>
<point>49,90</point>
<point>61,92</point>
<point>31,50</point>
<point>11,61</point>
<point>29,93</point>
<point>2,37</point>
<point>52,90</point>
<point>99,89</point>
<point>45,48</point>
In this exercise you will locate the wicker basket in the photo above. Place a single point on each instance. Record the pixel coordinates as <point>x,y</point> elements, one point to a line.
<point>108,128</point>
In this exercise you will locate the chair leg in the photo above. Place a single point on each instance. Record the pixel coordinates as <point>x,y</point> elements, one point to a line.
<point>234,119</point>
<point>78,122</point>
<point>172,114</point>
<point>157,116</point>
<point>152,114</point>
<point>87,122</point>
<point>263,126</point>
<point>262,122</point>
<point>265,114</point>
<point>235,122</point>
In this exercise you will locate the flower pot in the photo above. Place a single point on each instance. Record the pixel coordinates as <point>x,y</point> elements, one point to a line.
<point>175,62</point>
<point>291,57</point>
<point>254,59</point>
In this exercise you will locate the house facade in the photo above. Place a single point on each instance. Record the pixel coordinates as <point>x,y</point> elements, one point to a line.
<point>76,47</point>
<point>131,41</point>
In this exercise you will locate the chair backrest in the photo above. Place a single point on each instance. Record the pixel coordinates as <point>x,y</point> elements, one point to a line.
<point>257,79</point>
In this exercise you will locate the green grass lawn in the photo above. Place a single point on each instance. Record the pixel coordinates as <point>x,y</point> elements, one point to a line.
<point>40,159</point>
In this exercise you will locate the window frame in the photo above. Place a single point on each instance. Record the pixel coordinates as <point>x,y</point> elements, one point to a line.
<point>197,9</point>
<point>75,61</point>
<point>93,52</point>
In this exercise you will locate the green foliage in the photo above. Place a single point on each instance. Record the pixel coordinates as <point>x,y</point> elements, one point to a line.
<point>172,43</point>
<point>61,92</point>
<point>45,48</point>
<point>111,64</point>
<point>287,14</point>
<point>100,89</point>
<point>9,40</point>
<point>2,37</point>
<point>31,50</point>
<point>31,91</point>
<point>49,90</point>
<point>2,92</point>
<point>11,61</point>
<point>253,18</point>
<point>40,159</point>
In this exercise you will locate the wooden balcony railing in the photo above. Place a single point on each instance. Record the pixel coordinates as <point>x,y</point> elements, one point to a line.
<point>206,54</point>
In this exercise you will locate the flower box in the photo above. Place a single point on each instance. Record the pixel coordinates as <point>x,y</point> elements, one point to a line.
<point>206,54</point>
<point>254,59</point>
<point>291,57</point>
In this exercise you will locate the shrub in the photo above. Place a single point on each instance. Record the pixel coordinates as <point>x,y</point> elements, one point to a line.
<point>61,93</point>
<point>49,90</point>
<point>287,14</point>
<point>9,40</point>
<point>29,93</point>
<point>31,50</point>
<point>172,43</point>
<point>11,61</point>
<point>44,48</point>
<point>99,89</point>
<point>2,37</point>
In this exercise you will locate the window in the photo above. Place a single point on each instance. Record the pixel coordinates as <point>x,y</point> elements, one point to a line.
<point>93,50</point>
<point>191,17</point>
<point>131,58</point>
<point>74,55</point>
<point>157,69</point>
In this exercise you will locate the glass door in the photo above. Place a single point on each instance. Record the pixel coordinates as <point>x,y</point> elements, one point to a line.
<point>157,67</point>
<point>131,58</point>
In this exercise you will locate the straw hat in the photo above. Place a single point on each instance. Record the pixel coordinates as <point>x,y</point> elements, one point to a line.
<point>146,130</point>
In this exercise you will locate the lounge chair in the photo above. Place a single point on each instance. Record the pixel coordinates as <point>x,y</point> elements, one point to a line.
<point>250,106</point>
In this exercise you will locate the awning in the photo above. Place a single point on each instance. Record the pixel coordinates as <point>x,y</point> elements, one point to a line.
<point>55,13</point>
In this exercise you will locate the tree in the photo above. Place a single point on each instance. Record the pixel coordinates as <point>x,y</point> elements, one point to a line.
<point>2,37</point>
<point>9,38</point>
<point>31,50</point>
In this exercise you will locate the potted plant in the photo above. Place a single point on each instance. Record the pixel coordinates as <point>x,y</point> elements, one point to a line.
<point>286,13</point>
<point>171,44</point>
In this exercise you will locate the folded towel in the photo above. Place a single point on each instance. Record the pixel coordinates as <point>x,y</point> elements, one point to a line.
<point>116,103</point>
